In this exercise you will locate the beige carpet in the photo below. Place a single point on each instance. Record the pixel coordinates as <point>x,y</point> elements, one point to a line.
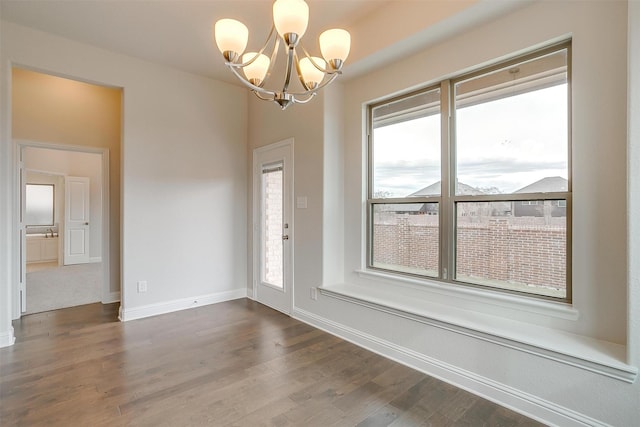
<point>61,287</point>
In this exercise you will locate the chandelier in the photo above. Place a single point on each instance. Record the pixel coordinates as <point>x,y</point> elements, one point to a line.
<point>290,19</point>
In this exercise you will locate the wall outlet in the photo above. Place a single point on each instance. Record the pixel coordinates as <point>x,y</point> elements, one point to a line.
<point>314,294</point>
<point>301,202</point>
<point>142,286</point>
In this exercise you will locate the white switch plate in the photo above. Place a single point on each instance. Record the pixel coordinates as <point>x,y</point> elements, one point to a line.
<point>301,202</point>
<point>142,286</point>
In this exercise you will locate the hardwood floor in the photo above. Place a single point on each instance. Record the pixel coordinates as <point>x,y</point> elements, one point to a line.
<point>230,364</point>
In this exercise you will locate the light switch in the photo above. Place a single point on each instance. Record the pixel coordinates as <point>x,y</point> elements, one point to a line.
<point>301,202</point>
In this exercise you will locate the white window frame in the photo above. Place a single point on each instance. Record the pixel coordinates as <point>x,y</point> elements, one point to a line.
<point>447,199</point>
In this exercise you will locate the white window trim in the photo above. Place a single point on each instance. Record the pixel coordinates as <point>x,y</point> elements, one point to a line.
<point>446,203</point>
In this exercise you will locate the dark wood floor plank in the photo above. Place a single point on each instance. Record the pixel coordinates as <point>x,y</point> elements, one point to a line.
<point>230,364</point>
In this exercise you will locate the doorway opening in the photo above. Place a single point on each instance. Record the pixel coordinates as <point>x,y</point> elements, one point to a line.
<point>62,223</point>
<point>67,134</point>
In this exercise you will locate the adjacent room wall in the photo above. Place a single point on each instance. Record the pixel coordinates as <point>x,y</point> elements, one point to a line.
<point>73,163</point>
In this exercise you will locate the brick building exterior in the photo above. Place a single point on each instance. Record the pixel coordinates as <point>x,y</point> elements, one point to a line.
<point>508,252</point>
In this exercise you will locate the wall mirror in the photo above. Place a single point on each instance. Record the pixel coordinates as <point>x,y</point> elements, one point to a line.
<point>39,205</point>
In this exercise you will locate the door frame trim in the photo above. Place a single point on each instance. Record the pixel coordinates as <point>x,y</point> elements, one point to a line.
<point>255,227</point>
<point>19,146</point>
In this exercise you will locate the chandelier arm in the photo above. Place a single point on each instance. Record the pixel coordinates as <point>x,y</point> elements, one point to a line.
<point>303,101</point>
<point>253,87</point>
<point>299,72</point>
<point>264,98</point>
<point>274,54</point>
<point>261,51</point>
<point>287,78</point>
<point>324,70</point>
<point>328,81</point>
<point>266,42</point>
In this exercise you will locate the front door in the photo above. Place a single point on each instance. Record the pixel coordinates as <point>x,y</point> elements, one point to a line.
<point>273,227</point>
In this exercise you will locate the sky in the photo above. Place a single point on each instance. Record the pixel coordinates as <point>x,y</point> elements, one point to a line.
<point>507,144</point>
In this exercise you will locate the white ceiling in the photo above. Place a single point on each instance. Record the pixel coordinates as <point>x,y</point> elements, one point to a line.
<point>177,33</point>
<point>171,32</point>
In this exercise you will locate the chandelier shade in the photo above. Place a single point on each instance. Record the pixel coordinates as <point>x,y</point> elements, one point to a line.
<point>231,37</point>
<point>335,45</point>
<point>290,22</point>
<point>291,17</point>
<point>257,67</point>
<point>311,71</point>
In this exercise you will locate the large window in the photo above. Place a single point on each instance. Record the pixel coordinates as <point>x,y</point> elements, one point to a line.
<point>470,180</point>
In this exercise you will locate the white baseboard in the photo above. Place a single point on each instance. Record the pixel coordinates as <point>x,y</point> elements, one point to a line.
<point>517,400</point>
<point>181,304</point>
<point>7,338</point>
<point>111,297</point>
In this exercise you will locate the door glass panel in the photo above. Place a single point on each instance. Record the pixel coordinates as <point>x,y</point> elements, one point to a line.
<point>272,225</point>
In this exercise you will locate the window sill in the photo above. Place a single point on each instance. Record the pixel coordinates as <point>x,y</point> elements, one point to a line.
<point>475,295</point>
<point>593,355</point>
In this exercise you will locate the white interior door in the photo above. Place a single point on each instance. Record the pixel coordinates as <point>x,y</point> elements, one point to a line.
<point>77,224</point>
<point>273,227</point>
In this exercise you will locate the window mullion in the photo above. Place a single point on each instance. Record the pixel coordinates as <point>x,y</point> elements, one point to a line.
<point>446,208</point>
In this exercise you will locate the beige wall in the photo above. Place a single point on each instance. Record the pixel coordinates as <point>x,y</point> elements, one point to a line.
<point>56,110</point>
<point>53,109</point>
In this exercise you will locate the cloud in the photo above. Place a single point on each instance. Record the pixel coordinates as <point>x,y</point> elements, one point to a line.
<point>502,167</point>
<point>507,144</point>
<point>405,177</point>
